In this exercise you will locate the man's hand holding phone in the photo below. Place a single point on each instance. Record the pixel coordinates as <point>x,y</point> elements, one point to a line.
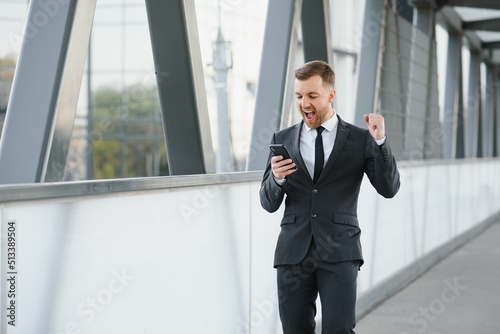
<point>281,163</point>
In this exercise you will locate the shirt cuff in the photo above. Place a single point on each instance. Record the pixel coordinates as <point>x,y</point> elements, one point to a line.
<point>279,181</point>
<point>381,141</point>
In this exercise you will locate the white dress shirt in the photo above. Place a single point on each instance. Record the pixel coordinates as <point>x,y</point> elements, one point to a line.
<point>308,139</point>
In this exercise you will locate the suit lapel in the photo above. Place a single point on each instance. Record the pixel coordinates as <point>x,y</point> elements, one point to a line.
<point>301,165</point>
<point>342,132</point>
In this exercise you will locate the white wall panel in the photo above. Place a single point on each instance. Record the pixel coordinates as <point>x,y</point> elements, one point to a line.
<point>199,259</point>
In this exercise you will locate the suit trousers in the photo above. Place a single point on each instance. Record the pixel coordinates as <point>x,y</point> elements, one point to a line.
<point>298,288</point>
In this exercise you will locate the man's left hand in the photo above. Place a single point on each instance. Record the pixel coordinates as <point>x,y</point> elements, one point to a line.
<point>376,126</point>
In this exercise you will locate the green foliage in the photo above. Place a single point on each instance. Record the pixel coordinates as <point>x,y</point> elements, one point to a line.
<point>128,134</point>
<point>7,66</point>
<point>106,156</point>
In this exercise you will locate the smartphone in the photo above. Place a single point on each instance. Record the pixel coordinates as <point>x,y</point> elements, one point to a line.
<point>280,149</point>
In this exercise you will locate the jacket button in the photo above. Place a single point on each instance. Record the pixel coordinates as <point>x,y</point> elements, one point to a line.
<point>315,191</point>
<point>313,215</point>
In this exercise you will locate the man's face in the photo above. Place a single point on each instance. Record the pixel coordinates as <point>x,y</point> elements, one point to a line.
<point>314,100</point>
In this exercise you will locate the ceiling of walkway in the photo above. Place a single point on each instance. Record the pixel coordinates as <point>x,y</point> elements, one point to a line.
<point>478,20</point>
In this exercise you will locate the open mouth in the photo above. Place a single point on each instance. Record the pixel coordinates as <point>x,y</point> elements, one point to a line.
<point>309,114</point>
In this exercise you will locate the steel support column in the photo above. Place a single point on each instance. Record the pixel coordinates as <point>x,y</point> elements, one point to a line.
<point>460,125</point>
<point>473,114</point>
<point>489,109</point>
<point>316,30</point>
<point>391,85</point>
<point>274,84</point>
<point>368,60</point>
<point>424,100</point>
<point>453,109</point>
<point>394,92</point>
<point>480,152</point>
<point>181,86</point>
<point>43,101</point>
<point>495,118</point>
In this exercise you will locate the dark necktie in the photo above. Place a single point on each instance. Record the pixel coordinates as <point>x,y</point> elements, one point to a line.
<point>319,155</point>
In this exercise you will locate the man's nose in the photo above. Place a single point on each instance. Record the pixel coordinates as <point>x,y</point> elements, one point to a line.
<point>304,102</point>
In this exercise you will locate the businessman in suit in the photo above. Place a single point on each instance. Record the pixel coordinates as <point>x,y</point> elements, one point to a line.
<point>318,249</point>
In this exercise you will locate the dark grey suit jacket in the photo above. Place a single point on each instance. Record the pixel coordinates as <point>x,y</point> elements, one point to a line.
<point>327,211</point>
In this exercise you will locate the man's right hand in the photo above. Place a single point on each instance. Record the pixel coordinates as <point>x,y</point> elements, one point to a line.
<point>281,168</point>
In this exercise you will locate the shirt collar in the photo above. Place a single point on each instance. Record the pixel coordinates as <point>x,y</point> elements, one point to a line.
<point>329,125</point>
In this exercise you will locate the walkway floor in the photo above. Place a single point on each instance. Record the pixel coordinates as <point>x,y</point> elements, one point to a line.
<point>460,295</point>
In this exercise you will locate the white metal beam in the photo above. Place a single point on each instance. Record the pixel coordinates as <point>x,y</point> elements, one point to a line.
<point>42,105</point>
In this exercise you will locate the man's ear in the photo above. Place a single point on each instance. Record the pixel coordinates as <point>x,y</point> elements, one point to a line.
<point>331,95</point>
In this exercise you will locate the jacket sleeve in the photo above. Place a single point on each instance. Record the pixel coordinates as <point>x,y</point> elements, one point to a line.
<point>381,168</point>
<point>271,193</point>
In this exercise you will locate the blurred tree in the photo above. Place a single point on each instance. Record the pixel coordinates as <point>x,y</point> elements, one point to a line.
<point>106,156</point>
<point>127,133</point>
<point>7,67</point>
<point>127,136</point>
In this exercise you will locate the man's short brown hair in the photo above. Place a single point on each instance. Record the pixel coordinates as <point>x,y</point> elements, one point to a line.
<point>316,67</point>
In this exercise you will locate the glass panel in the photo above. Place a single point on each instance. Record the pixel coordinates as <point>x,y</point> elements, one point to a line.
<point>12,18</point>
<point>138,53</point>
<point>107,48</point>
<point>108,14</point>
<point>125,137</point>
<point>346,25</point>
<point>136,14</point>
<point>241,24</point>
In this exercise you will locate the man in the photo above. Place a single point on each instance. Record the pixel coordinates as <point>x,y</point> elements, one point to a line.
<point>318,249</point>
